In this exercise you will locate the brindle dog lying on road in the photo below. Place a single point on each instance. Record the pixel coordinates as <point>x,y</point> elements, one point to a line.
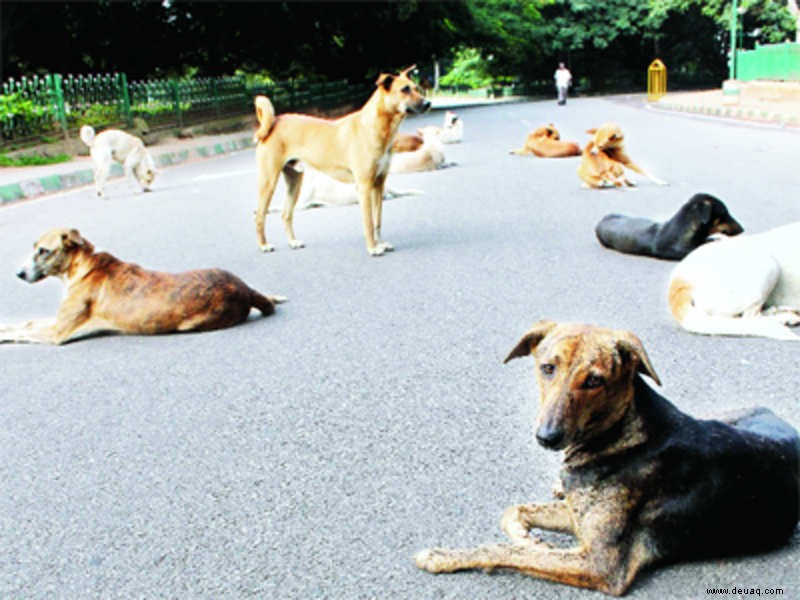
<point>643,481</point>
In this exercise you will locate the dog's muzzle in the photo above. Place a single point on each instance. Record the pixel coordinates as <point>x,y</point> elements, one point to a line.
<point>550,437</point>
<point>29,275</point>
<point>422,107</point>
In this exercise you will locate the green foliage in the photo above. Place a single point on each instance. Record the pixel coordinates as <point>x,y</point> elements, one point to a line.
<point>253,79</point>
<point>763,21</point>
<point>29,160</point>
<point>100,114</point>
<point>469,69</point>
<point>17,107</point>
<point>158,108</point>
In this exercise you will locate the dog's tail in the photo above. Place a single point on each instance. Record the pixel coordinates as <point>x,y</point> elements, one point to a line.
<point>266,304</point>
<point>681,305</point>
<point>87,135</point>
<point>265,113</point>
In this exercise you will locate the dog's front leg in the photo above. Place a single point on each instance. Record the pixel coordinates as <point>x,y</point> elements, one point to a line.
<point>625,160</point>
<point>377,213</point>
<point>365,189</point>
<point>518,520</point>
<point>128,167</point>
<point>573,566</point>
<point>40,331</point>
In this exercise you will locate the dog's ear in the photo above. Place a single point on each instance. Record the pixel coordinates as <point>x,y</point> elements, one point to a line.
<point>405,72</point>
<point>631,348</point>
<point>527,344</point>
<point>72,239</point>
<point>385,81</point>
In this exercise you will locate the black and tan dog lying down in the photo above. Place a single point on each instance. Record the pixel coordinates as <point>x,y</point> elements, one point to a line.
<point>701,217</point>
<point>643,482</point>
<point>105,294</point>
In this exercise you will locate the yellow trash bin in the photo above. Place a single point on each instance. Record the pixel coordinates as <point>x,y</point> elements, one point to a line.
<point>656,80</point>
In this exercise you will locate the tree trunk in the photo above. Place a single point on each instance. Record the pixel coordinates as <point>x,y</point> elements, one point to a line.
<point>795,10</point>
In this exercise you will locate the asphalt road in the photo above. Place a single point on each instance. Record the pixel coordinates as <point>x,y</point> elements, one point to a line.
<point>312,453</point>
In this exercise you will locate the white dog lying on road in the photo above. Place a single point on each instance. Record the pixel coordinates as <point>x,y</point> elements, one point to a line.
<point>116,145</point>
<point>451,132</point>
<point>746,285</point>
<point>319,189</point>
<point>427,157</point>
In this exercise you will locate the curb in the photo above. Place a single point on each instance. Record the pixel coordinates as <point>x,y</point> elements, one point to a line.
<point>33,188</point>
<point>732,112</point>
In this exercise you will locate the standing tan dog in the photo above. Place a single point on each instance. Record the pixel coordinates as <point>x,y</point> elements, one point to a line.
<point>354,148</point>
<point>546,142</point>
<point>643,482</point>
<point>604,158</point>
<point>106,294</point>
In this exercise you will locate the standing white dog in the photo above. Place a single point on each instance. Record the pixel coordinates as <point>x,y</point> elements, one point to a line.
<point>116,145</point>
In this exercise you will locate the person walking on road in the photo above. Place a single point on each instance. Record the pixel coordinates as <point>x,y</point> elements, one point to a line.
<point>563,81</point>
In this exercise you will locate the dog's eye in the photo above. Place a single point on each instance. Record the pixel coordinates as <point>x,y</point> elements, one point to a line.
<point>593,381</point>
<point>43,252</point>
<point>547,369</point>
<point>406,89</point>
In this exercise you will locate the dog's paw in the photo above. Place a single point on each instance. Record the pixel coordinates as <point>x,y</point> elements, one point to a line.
<point>558,490</point>
<point>266,247</point>
<point>278,299</point>
<point>295,244</point>
<point>376,251</point>
<point>514,528</point>
<point>387,247</point>
<point>432,560</point>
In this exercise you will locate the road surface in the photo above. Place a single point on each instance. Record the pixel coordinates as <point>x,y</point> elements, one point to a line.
<point>312,453</point>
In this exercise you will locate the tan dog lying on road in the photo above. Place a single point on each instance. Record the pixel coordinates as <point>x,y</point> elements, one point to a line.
<point>354,148</point>
<point>643,482</point>
<point>604,159</point>
<point>105,294</point>
<point>546,142</point>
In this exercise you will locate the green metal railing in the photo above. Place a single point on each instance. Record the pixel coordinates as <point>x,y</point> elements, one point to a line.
<point>774,61</point>
<point>39,108</point>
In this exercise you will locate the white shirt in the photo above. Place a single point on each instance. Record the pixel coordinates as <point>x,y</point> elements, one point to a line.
<point>563,77</point>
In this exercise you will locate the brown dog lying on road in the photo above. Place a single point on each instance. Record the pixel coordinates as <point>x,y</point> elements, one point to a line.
<point>106,294</point>
<point>546,142</point>
<point>354,148</point>
<point>643,481</point>
<point>604,159</point>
